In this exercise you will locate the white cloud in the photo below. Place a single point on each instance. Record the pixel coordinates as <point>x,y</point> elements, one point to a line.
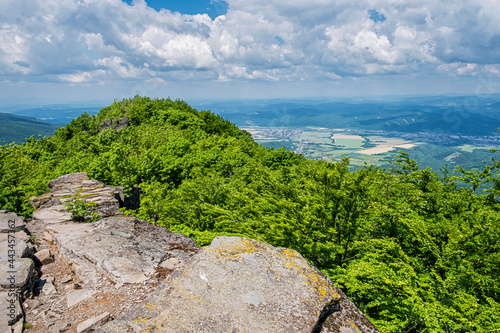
<point>76,78</point>
<point>98,40</point>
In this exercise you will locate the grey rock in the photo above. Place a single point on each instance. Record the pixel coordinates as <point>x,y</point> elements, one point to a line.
<point>20,235</point>
<point>48,237</point>
<point>53,215</point>
<point>68,184</point>
<point>32,303</point>
<point>43,201</point>
<point>47,287</point>
<point>82,228</point>
<point>108,199</point>
<point>13,248</point>
<point>76,296</point>
<point>18,274</point>
<point>59,327</point>
<point>10,310</point>
<point>123,249</point>
<point>17,327</point>
<point>91,324</point>
<point>350,319</point>
<point>49,207</point>
<point>239,285</point>
<point>10,222</point>
<point>44,256</point>
<point>116,124</point>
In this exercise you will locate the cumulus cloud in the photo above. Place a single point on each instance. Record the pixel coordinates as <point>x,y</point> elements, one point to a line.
<point>80,41</point>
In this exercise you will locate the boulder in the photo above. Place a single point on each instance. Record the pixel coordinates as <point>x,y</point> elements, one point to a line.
<point>241,285</point>
<point>116,124</point>
<point>75,296</point>
<point>68,184</point>
<point>19,235</point>
<point>18,274</point>
<point>14,248</point>
<point>53,215</point>
<point>10,311</point>
<point>64,187</point>
<point>44,256</point>
<point>43,201</point>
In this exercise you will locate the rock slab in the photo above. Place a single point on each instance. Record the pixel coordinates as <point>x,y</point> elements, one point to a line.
<point>123,249</point>
<point>19,274</point>
<point>108,199</point>
<point>91,324</point>
<point>241,285</point>
<point>10,222</point>
<point>44,257</point>
<point>10,311</point>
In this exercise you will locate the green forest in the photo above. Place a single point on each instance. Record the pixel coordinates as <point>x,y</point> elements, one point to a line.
<point>18,128</point>
<point>414,251</point>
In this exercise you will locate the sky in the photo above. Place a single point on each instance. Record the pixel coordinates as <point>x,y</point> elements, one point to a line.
<point>206,49</point>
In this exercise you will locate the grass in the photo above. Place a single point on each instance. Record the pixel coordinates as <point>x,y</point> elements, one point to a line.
<point>350,143</point>
<point>470,148</point>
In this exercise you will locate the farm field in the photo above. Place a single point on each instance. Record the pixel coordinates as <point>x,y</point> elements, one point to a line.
<point>368,147</point>
<point>331,144</point>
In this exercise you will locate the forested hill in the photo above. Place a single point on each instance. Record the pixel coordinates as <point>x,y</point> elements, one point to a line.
<point>17,128</point>
<point>411,250</point>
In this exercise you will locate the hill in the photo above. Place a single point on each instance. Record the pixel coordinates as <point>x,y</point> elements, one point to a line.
<point>455,115</point>
<point>15,128</point>
<point>413,251</point>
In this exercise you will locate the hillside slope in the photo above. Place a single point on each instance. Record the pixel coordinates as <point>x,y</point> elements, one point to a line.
<point>410,249</point>
<point>17,128</point>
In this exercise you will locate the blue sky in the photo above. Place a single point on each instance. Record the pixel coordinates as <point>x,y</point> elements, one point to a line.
<point>107,49</point>
<point>190,7</point>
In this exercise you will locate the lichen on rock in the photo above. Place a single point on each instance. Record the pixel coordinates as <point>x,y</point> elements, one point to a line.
<point>236,285</point>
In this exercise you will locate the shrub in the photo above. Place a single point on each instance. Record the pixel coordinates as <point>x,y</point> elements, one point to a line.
<point>80,208</point>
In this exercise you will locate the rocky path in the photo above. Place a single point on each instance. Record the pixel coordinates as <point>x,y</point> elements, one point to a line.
<point>79,274</point>
<point>100,270</point>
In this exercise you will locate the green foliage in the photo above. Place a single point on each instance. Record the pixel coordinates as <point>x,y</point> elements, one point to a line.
<point>15,128</point>
<point>80,208</point>
<point>415,253</point>
<point>33,240</point>
<point>27,325</point>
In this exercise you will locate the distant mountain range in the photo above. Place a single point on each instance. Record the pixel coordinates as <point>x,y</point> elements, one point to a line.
<point>450,114</point>
<point>15,128</point>
<point>21,119</point>
<point>461,115</point>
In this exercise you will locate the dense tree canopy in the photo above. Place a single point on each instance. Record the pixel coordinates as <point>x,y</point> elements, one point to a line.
<point>413,251</point>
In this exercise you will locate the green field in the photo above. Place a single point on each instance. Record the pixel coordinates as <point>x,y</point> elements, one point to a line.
<point>365,147</point>
<point>328,144</point>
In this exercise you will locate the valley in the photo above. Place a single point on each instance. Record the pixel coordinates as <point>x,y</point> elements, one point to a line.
<point>429,149</point>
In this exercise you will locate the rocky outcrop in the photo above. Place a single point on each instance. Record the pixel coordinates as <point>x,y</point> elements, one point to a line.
<point>241,285</point>
<point>122,274</point>
<point>100,270</point>
<point>17,271</point>
<point>121,249</point>
<point>49,207</point>
<point>116,124</point>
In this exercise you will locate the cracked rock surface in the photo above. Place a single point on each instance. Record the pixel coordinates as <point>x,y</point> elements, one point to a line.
<point>240,285</point>
<point>100,270</point>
